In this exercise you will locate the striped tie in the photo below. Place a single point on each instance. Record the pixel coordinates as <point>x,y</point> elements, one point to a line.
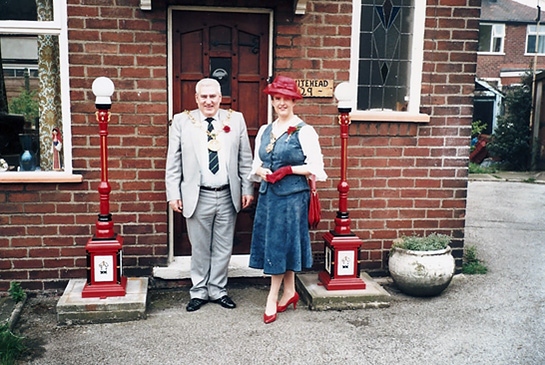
<point>213,163</point>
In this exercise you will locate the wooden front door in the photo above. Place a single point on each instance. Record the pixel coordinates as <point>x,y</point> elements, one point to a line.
<point>234,49</point>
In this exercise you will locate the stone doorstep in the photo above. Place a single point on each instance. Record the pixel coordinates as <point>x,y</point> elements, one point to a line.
<point>180,266</point>
<point>73,309</point>
<point>317,297</point>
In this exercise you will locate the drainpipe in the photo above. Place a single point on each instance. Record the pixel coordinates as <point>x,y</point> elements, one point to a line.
<point>534,125</point>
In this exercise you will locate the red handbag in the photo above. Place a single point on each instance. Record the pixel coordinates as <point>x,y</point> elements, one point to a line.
<point>314,209</point>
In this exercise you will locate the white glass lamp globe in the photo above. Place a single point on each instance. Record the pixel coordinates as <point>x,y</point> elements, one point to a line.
<point>343,94</point>
<point>103,88</point>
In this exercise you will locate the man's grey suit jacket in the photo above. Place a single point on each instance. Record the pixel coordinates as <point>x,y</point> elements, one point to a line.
<point>183,170</point>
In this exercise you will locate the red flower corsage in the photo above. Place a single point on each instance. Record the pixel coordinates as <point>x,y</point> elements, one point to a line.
<point>226,129</point>
<point>291,130</point>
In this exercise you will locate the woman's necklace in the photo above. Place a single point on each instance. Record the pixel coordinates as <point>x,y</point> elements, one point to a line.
<point>272,141</point>
<point>213,144</point>
<point>273,138</point>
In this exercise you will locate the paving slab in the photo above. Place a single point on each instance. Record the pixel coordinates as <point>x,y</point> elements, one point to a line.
<point>72,308</point>
<point>317,297</point>
<point>536,177</point>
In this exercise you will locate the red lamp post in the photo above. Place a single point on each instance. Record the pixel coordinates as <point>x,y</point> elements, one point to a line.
<point>104,256</point>
<point>341,245</point>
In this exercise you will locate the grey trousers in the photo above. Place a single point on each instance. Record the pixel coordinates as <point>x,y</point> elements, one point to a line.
<point>211,230</point>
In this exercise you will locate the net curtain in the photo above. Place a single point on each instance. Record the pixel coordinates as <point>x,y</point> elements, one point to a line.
<point>49,86</point>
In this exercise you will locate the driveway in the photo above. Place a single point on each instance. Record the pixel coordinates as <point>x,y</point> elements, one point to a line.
<point>497,318</point>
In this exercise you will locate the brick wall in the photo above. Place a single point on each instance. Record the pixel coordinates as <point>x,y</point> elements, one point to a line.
<point>45,226</point>
<point>404,178</point>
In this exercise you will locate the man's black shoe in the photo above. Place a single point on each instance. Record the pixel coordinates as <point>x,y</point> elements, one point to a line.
<point>225,302</point>
<point>195,304</point>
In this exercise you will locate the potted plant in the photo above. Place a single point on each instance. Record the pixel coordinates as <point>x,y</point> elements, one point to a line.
<point>422,266</point>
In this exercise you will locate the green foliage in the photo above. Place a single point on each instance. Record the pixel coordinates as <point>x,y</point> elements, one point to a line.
<point>512,136</point>
<point>26,104</point>
<point>16,292</point>
<point>477,127</point>
<point>11,346</point>
<point>472,265</point>
<point>431,242</point>
<point>475,168</point>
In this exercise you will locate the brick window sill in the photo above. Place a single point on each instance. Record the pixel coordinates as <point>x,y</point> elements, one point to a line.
<point>39,177</point>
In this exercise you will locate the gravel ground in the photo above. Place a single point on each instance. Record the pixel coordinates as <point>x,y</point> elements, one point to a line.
<point>497,318</point>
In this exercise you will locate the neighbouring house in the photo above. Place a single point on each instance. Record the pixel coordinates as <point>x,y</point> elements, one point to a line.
<point>508,34</point>
<point>411,65</point>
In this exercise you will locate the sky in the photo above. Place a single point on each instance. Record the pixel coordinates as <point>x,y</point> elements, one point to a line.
<point>532,3</point>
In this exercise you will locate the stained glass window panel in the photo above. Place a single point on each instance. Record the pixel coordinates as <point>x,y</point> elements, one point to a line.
<point>385,54</point>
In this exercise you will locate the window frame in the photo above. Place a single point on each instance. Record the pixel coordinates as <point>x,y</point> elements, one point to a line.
<point>59,27</point>
<point>417,59</point>
<point>538,31</point>
<point>491,44</point>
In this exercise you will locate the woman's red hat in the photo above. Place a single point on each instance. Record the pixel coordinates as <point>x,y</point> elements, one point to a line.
<point>285,86</point>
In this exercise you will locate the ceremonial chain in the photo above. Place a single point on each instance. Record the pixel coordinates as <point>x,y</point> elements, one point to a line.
<point>291,130</point>
<point>213,144</point>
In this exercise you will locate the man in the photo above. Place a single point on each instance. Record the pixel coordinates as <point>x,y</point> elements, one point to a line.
<point>209,159</point>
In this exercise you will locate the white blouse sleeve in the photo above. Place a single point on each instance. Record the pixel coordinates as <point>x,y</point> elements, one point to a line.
<point>311,148</point>
<point>257,161</point>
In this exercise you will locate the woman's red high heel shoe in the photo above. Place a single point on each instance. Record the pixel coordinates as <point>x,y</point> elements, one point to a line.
<point>269,319</point>
<point>294,300</point>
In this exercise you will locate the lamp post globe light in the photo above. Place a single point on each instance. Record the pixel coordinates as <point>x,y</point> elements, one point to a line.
<point>341,245</point>
<point>104,250</point>
<point>343,94</point>
<point>103,88</point>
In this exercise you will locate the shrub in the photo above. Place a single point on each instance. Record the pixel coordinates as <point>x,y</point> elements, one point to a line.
<point>472,265</point>
<point>478,169</point>
<point>26,104</point>
<point>11,346</point>
<point>512,136</point>
<point>477,127</point>
<point>432,242</point>
<point>16,292</point>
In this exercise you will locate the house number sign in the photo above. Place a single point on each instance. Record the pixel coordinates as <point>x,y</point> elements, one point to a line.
<point>315,88</point>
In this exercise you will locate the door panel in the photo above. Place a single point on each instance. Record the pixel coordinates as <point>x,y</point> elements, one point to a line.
<point>232,48</point>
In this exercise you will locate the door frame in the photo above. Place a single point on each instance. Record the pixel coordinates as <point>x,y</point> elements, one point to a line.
<point>171,257</point>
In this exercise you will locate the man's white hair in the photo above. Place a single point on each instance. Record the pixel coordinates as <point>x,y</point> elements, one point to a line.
<point>208,82</point>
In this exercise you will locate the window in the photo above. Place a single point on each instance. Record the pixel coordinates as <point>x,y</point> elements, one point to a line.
<point>35,137</point>
<point>491,37</point>
<point>533,37</point>
<point>387,55</point>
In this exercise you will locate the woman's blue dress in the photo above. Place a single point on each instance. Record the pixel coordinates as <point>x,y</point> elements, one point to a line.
<point>281,239</point>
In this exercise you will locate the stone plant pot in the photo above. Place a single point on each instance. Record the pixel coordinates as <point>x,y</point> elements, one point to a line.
<point>421,273</point>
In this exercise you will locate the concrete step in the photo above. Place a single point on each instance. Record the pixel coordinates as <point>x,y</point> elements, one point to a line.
<point>73,309</point>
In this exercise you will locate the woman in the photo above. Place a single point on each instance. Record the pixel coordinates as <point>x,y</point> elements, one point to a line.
<point>287,151</point>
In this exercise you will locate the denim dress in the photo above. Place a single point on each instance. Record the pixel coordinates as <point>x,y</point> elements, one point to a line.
<point>281,239</point>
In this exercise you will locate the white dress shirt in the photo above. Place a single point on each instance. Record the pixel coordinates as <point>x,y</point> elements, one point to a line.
<point>208,178</point>
<point>309,143</point>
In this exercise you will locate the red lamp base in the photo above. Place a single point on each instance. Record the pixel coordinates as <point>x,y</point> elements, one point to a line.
<point>340,283</point>
<point>104,291</point>
<point>104,268</point>
<point>341,262</point>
